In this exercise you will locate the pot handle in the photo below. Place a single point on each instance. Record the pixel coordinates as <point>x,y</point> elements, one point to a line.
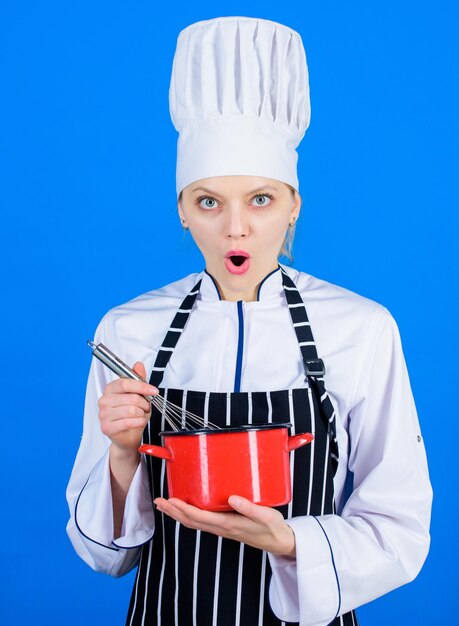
<point>159,451</point>
<point>296,441</point>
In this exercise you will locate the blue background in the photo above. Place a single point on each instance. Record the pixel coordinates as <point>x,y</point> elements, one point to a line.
<point>88,221</point>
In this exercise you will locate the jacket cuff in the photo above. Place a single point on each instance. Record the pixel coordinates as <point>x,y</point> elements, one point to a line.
<point>94,512</point>
<point>306,589</point>
<point>283,588</point>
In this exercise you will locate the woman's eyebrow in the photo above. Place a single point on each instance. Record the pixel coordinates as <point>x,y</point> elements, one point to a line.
<point>204,189</point>
<point>249,193</point>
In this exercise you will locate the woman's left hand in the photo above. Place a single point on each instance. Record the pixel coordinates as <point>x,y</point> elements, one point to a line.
<point>257,526</point>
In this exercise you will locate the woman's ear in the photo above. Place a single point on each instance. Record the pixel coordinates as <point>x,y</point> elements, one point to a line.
<point>182,216</point>
<point>179,209</point>
<point>180,212</point>
<point>296,206</point>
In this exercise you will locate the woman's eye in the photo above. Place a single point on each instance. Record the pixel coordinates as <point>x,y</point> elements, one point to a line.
<point>207,203</point>
<point>262,199</point>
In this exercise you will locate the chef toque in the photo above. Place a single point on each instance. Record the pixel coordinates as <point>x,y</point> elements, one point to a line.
<point>239,99</point>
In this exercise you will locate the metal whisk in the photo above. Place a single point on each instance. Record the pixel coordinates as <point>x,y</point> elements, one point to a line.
<point>176,416</point>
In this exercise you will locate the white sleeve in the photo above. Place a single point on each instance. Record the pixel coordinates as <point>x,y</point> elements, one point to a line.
<point>89,496</point>
<point>381,538</point>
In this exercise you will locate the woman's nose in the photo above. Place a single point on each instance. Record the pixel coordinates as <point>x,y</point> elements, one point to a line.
<point>237,223</point>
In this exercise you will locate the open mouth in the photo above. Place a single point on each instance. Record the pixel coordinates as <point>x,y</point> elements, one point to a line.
<point>237,260</point>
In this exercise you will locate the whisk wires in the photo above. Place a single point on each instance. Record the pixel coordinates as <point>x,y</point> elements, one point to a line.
<point>179,418</point>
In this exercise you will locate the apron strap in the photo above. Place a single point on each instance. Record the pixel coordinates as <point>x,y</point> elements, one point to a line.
<point>313,366</point>
<point>173,335</point>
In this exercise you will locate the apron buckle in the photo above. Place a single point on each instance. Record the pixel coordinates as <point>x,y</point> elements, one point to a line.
<point>314,367</point>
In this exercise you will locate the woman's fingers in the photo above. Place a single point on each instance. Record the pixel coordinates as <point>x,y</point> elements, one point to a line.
<point>129,385</point>
<point>192,517</point>
<point>117,427</point>
<point>115,413</point>
<point>139,368</point>
<point>113,400</point>
<point>258,526</point>
<point>124,411</point>
<point>255,512</point>
<point>226,523</point>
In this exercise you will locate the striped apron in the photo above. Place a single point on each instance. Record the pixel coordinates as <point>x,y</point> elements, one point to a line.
<point>188,577</point>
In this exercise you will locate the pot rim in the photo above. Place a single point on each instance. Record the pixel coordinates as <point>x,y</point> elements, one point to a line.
<point>220,431</point>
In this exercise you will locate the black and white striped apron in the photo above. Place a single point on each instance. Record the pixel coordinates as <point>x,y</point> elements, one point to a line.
<point>193,578</point>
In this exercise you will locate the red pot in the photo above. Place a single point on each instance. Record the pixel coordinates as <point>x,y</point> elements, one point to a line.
<point>206,466</point>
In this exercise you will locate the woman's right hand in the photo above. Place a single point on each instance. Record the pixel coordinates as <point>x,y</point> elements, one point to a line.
<point>124,412</point>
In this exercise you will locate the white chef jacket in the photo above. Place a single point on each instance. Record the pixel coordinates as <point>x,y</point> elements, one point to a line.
<point>379,538</point>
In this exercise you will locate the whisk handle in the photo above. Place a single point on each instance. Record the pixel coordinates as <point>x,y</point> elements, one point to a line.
<point>158,451</point>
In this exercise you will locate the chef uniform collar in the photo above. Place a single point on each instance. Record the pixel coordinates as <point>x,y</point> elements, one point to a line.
<point>270,288</point>
<point>239,99</point>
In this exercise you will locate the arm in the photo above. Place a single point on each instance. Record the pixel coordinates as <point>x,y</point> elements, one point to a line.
<point>123,466</point>
<point>103,486</point>
<point>381,538</point>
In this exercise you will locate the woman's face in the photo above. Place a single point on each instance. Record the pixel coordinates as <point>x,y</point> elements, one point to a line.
<point>239,224</point>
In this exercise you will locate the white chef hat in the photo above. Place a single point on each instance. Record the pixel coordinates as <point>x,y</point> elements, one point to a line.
<point>239,98</point>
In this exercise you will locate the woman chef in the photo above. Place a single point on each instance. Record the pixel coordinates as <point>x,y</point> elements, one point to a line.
<point>248,340</point>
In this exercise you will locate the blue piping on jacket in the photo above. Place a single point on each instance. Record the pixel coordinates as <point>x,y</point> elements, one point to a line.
<point>240,347</point>
<point>265,279</point>
<point>215,284</point>
<point>78,526</point>
<point>334,568</point>
<point>117,548</point>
